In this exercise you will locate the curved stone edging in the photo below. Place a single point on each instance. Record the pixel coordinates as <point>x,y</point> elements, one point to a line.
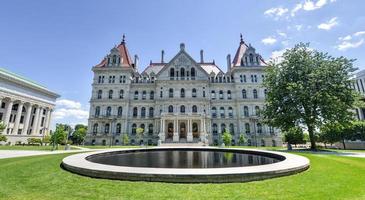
<point>292,164</point>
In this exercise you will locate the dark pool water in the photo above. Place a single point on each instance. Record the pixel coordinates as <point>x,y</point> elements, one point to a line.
<point>182,159</point>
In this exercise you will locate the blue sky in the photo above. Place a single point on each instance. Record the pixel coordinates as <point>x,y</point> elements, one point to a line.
<point>55,43</point>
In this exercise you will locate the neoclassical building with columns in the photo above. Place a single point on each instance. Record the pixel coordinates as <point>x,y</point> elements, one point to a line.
<point>26,107</point>
<point>182,100</point>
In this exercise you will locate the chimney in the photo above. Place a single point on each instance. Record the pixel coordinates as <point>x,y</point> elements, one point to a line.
<point>228,62</point>
<point>135,61</point>
<point>162,55</point>
<point>201,56</point>
<point>182,47</point>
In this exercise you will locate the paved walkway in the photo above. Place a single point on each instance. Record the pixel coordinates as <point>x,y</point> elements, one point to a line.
<point>22,153</point>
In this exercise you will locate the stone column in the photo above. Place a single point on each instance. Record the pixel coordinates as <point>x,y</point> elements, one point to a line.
<point>47,121</point>
<point>176,137</point>
<point>35,121</point>
<point>17,119</point>
<point>162,130</point>
<point>8,108</point>
<point>189,137</point>
<point>27,119</point>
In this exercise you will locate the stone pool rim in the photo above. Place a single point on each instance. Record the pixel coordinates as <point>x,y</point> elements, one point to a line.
<point>292,164</point>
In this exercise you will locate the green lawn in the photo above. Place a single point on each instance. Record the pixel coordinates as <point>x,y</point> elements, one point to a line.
<point>40,177</point>
<point>43,148</point>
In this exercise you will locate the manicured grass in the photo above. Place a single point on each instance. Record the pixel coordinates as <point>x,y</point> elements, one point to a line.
<point>40,177</point>
<point>43,148</point>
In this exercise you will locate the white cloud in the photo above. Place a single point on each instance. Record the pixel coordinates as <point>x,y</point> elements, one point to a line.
<point>69,109</point>
<point>282,34</point>
<point>349,45</point>
<point>329,24</point>
<point>298,27</point>
<point>276,12</point>
<point>297,7</point>
<point>359,33</point>
<point>269,40</point>
<point>276,56</point>
<point>348,37</point>
<point>68,103</point>
<point>310,5</point>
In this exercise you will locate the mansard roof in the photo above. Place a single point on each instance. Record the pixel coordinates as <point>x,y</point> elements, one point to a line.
<point>126,60</point>
<point>210,67</point>
<point>243,50</point>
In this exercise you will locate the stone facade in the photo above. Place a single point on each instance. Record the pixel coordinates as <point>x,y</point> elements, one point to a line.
<point>26,107</point>
<point>179,101</point>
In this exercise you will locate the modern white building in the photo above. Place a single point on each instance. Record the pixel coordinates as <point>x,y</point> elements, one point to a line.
<point>359,86</point>
<point>180,100</point>
<point>26,107</point>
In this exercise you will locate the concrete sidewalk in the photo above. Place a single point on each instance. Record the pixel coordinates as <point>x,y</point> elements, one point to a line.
<point>23,153</point>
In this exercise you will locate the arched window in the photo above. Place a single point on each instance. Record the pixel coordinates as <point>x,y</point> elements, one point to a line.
<point>152,95</point>
<point>193,93</point>
<point>171,93</point>
<point>97,111</point>
<point>114,59</point>
<point>150,129</point>
<point>120,111</point>
<point>182,109</point>
<point>135,95</point>
<point>108,111</point>
<point>192,72</point>
<point>244,94</point>
<point>223,128</point>
<point>182,72</point>
<point>265,93</point>
<point>134,127</point>
<point>221,94</point>
<point>247,128</point>
<point>251,58</point>
<point>213,94</point>
<point>229,95</point>
<point>171,109</point>
<point>119,128</point>
<point>121,94</point>
<point>257,111</point>
<point>95,128</point>
<point>214,112</point>
<point>230,112</point>
<point>143,112</point>
<point>195,109</point>
<point>255,94</point>
<point>221,109</point>
<point>172,72</point>
<point>107,127</point>
<point>110,94</point>
<point>150,112</point>
<point>135,112</point>
<point>182,93</point>
<point>231,129</point>
<point>100,94</point>
<point>215,129</point>
<point>143,127</point>
<point>144,93</point>
<point>259,128</point>
<point>245,111</point>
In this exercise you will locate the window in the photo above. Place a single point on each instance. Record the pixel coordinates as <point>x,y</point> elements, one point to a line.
<point>215,129</point>
<point>143,127</point>
<point>223,128</point>
<point>136,95</point>
<point>150,112</point>
<point>182,72</point>
<point>214,112</point>
<point>271,129</point>
<point>99,79</point>
<point>241,78</point>
<point>106,128</point>
<point>230,112</point>
<point>172,73</point>
<point>182,93</point>
<point>265,93</point>
<point>97,111</point>
<point>182,109</point>
<point>195,109</point>
<point>114,59</point>
<point>120,111</point>
<point>171,109</point>
<point>245,111</point>
<point>231,129</point>
<point>213,94</point>
<point>259,128</point>
<point>193,93</point>
<point>221,94</point>
<point>247,128</point>
<point>222,112</point>
<point>95,128</point>
<point>244,78</point>
<point>252,79</point>
<point>110,96</point>
<point>108,111</point>
<point>251,58</point>
<point>143,112</point>
<point>134,127</point>
<point>152,95</point>
<point>229,95</point>
<point>255,94</point>
<point>100,94</point>
<point>244,94</point>
<point>135,112</point>
<point>192,73</point>
<point>144,93</point>
<point>150,129</point>
<point>257,111</point>
<point>121,94</point>
<point>171,93</point>
<point>118,129</point>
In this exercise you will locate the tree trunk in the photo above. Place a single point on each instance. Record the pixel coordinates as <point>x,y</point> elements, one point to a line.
<point>343,142</point>
<point>325,145</point>
<point>311,137</point>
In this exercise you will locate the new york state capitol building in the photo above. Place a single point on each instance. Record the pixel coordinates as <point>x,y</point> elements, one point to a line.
<point>179,101</point>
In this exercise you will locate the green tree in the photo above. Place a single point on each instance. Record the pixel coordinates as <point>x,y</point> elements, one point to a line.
<point>3,138</point>
<point>78,136</point>
<point>294,136</point>
<point>125,139</point>
<point>59,136</point>
<point>331,133</point>
<point>140,132</point>
<point>227,138</point>
<point>309,88</point>
<point>242,139</point>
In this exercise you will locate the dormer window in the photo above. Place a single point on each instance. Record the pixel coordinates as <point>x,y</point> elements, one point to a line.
<point>251,58</point>
<point>114,59</point>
